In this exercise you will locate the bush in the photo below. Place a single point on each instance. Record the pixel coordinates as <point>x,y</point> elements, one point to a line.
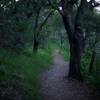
<point>24,69</point>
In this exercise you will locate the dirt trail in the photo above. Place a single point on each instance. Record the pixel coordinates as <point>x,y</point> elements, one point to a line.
<point>55,87</point>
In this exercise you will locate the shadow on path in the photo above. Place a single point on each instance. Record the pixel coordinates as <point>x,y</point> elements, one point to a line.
<point>55,87</point>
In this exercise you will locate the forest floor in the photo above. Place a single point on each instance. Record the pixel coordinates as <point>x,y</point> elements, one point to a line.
<point>54,85</point>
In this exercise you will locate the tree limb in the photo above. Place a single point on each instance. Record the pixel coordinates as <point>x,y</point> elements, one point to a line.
<point>67,18</point>
<point>54,7</point>
<point>44,22</point>
<point>37,18</point>
<point>80,13</point>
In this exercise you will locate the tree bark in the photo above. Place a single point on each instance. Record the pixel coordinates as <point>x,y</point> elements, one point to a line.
<point>76,48</point>
<point>35,42</point>
<point>75,36</point>
<point>93,52</point>
<point>74,69</point>
<point>35,45</point>
<point>76,41</point>
<point>92,61</point>
<point>38,29</point>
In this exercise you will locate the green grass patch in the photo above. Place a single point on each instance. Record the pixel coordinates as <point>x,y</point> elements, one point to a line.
<point>25,67</point>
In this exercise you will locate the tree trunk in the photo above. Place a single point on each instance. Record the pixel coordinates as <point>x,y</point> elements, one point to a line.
<point>76,41</point>
<point>75,58</point>
<point>92,61</point>
<point>75,35</point>
<point>35,42</point>
<point>76,49</point>
<point>61,41</point>
<point>35,45</point>
<point>38,29</point>
<point>93,53</point>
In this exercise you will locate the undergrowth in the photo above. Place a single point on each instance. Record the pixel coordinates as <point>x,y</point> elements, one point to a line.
<point>25,68</point>
<point>92,78</point>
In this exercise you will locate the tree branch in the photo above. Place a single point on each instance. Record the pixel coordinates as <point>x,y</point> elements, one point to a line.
<point>67,17</point>
<point>44,22</point>
<point>54,7</point>
<point>80,13</point>
<point>37,18</point>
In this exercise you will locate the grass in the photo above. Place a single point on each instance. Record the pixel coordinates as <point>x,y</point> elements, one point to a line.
<point>25,68</point>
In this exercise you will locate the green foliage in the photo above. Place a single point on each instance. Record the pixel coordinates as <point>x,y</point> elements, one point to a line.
<point>85,61</point>
<point>25,68</point>
<point>92,78</point>
<point>65,53</point>
<point>17,27</point>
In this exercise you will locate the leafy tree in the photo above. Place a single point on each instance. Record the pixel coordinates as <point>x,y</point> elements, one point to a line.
<point>73,25</point>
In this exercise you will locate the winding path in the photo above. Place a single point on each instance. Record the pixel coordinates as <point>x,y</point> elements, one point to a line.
<point>55,87</point>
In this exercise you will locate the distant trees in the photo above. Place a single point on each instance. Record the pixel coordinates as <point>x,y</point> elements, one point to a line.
<point>91,26</point>
<point>39,15</point>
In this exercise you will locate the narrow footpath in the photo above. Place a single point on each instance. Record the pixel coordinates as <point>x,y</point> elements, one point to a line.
<point>55,87</point>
